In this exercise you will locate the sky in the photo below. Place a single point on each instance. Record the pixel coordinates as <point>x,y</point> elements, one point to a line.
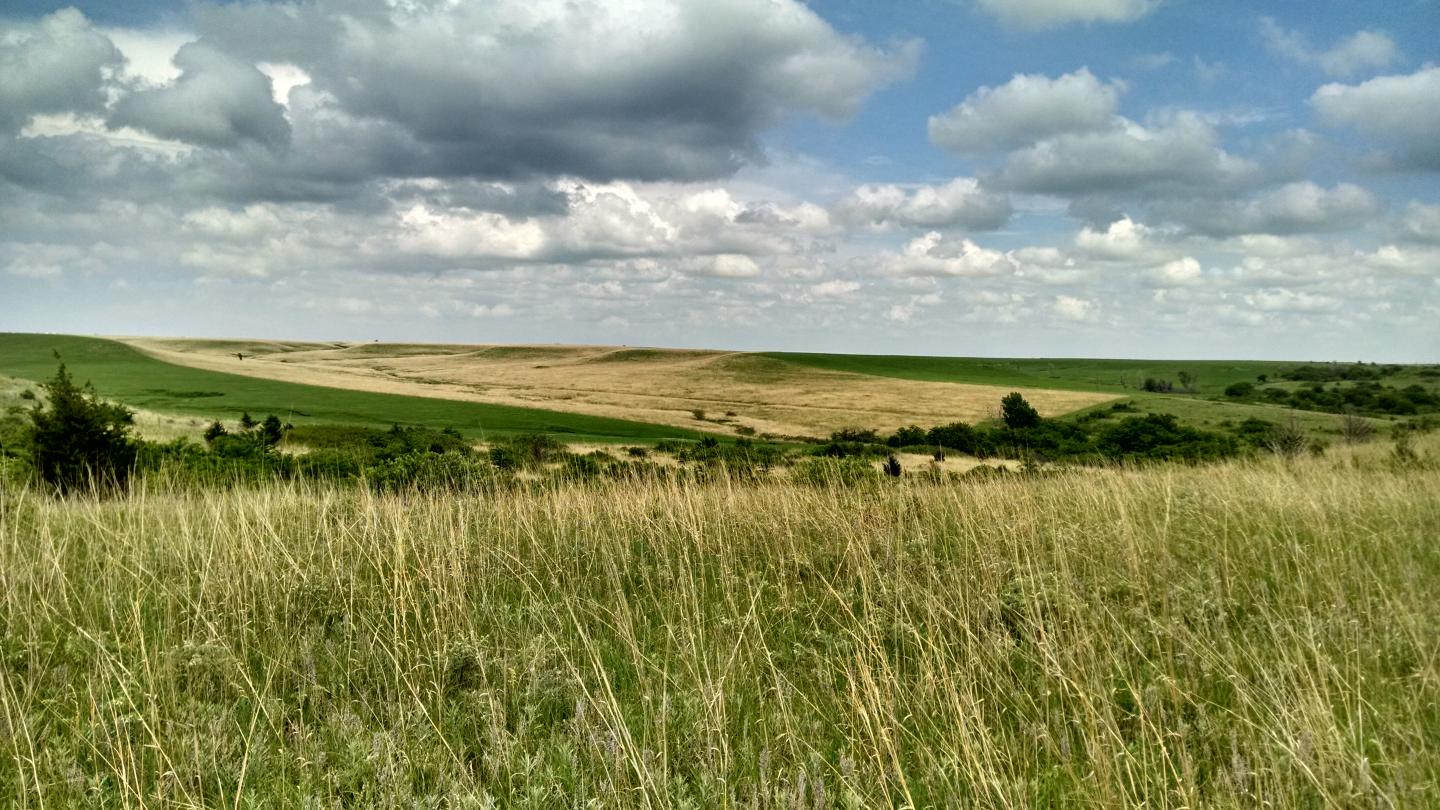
<point>1101,178</point>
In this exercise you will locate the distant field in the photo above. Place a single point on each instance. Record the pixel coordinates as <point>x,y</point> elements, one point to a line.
<point>727,392</point>
<point>621,393</point>
<point>1070,374</point>
<point>125,374</point>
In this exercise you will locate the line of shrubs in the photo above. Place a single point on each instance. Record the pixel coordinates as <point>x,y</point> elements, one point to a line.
<point>1024,434</point>
<point>1364,396</point>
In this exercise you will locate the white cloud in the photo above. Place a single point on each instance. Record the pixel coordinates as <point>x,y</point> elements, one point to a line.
<point>1124,240</point>
<point>1040,14</point>
<point>934,255</point>
<point>149,53</point>
<point>1363,50</point>
<point>1293,208</point>
<point>619,220</point>
<point>57,64</point>
<point>959,203</point>
<point>836,288</point>
<point>728,265</point>
<point>1284,300</point>
<point>1026,109</point>
<point>480,234</point>
<point>218,101</point>
<point>283,78</point>
<point>1185,270</point>
<point>1073,309</point>
<point>1179,157</point>
<point>1403,110</point>
<point>646,89</point>
<point>491,311</point>
<point>1421,223</point>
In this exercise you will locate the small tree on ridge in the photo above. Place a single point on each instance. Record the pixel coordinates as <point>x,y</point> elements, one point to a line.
<point>1017,413</point>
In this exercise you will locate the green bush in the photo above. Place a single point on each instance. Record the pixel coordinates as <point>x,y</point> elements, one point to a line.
<point>432,472</point>
<point>834,472</point>
<point>79,441</point>
<point>1016,413</point>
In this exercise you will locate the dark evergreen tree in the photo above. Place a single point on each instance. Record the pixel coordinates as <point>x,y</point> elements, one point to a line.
<point>1017,413</point>
<point>79,441</point>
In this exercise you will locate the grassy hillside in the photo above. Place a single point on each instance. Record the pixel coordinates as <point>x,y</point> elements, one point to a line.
<point>1205,406</point>
<point>1111,376</point>
<point>734,391</point>
<point>122,373</point>
<point>1252,634</point>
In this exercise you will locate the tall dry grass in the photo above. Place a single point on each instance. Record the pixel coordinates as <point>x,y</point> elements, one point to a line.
<point>1257,633</point>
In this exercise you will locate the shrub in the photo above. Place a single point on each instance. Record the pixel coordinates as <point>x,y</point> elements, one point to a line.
<point>431,472</point>
<point>1016,413</point>
<point>81,442</point>
<point>1161,436</point>
<point>671,446</point>
<point>833,472</point>
<point>909,436</point>
<point>1239,390</point>
<point>215,431</point>
<point>892,466</point>
<point>854,434</point>
<point>1289,440</point>
<point>1354,429</point>
<point>533,449</point>
<point>957,436</point>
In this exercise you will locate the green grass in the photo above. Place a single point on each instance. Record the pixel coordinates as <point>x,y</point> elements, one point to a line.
<point>1108,376</point>
<point>1218,414</point>
<point>124,374</point>
<point>1251,634</point>
<point>1204,408</point>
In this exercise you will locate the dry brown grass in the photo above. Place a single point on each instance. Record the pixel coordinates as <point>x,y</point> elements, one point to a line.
<point>662,386</point>
<point>1258,633</point>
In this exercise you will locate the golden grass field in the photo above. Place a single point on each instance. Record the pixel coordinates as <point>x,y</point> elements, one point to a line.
<point>1257,633</point>
<point>662,386</point>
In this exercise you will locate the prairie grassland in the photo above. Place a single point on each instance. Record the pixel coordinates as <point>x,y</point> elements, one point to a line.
<point>659,386</point>
<point>1248,634</point>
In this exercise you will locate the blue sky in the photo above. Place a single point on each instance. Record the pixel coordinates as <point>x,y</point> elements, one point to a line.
<point>1164,178</point>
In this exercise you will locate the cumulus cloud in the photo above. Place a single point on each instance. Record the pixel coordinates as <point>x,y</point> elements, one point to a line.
<point>1293,208</point>
<point>960,203</point>
<point>616,220</point>
<point>59,64</point>
<point>728,265</point>
<point>218,101</point>
<point>1071,308</point>
<point>1361,51</point>
<point>649,90</point>
<point>835,288</point>
<point>1178,157</point>
<point>1040,14</point>
<point>935,255</point>
<point>1026,109</point>
<point>1184,270</point>
<point>1123,240</point>
<point>1286,300</point>
<point>1421,223</point>
<point>1403,110</point>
